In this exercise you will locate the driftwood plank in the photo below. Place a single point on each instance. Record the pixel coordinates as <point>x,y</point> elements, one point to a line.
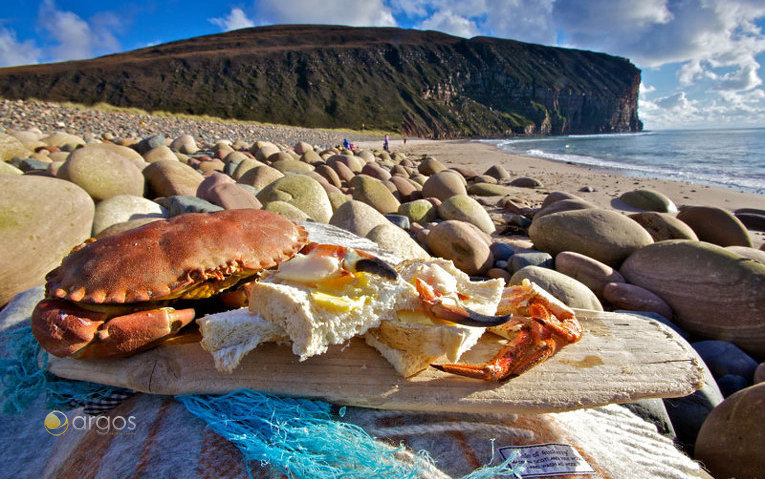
<point>621,358</point>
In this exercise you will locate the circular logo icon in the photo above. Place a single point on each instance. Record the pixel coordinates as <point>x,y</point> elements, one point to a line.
<point>56,423</point>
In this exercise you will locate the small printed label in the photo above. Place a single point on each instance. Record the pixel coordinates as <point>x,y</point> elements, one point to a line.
<point>547,460</point>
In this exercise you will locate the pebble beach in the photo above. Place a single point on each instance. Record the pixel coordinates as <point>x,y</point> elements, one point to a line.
<point>690,256</point>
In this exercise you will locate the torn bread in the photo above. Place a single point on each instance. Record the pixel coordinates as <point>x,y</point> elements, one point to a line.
<point>411,340</point>
<point>230,335</point>
<point>316,317</point>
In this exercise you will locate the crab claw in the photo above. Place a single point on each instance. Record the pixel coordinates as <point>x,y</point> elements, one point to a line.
<point>319,262</point>
<point>449,308</point>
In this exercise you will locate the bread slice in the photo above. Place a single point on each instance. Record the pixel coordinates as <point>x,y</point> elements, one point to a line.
<point>230,335</point>
<point>411,340</point>
<point>315,319</point>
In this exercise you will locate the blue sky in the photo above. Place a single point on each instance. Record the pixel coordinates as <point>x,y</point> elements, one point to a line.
<point>701,59</point>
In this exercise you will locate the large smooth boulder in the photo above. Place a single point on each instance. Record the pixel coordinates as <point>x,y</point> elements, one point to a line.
<point>663,226</point>
<point>567,289</point>
<point>443,185</point>
<point>465,208</point>
<point>122,208</point>
<point>41,220</point>
<point>357,217</point>
<point>715,225</point>
<point>462,243</point>
<point>649,200</point>
<point>301,191</point>
<point>220,189</point>
<point>730,442</point>
<point>373,192</point>
<point>393,238</point>
<point>102,172</point>
<point>588,271</point>
<point>634,298</point>
<point>714,293</point>
<point>172,178</point>
<point>604,235</point>
<point>260,176</point>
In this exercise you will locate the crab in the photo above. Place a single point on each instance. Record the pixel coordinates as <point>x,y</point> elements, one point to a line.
<point>111,297</point>
<point>536,324</point>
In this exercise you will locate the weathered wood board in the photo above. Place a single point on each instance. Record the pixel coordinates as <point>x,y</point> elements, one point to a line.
<point>620,358</point>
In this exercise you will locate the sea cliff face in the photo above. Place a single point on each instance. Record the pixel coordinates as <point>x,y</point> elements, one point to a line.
<point>420,83</point>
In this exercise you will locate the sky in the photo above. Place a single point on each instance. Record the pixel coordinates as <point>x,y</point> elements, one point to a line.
<point>700,59</point>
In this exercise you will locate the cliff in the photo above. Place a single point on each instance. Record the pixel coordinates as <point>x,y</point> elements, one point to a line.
<point>421,83</point>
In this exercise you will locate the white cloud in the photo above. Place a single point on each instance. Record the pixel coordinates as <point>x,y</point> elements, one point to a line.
<point>75,38</point>
<point>331,12</point>
<point>13,52</point>
<point>235,20</point>
<point>450,23</point>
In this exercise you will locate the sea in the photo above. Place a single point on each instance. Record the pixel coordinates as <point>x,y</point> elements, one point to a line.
<point>730,158</point>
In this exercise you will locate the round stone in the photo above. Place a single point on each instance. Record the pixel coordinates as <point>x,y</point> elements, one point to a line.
<point>301,191</point>
<point>290,165</point>
<point>125,226</point>
<point>41,220</point>
<point>407,189</point>
<point>357,217</point>
<point>260,176</point>
<point>568,290</point>
<point>462,243</point>
<point>181,204</point>
<point>731,438</point>
<point>351,162</point>
<point>715,225</point>
<point>751,253</point>
<point>712,291</point>
<point>634,298</point>
<point>568,204</point>
<point>663,226</point>
<point>501,251</point>
<point>11,147</point>
<point>498,171</point>
<point>526,182</point>
<point>529,258</point>
<point>604,235</point>
<point>430,166</point>
<point>464,208</point>
<point>220,189</point>
<point>376,171</point>
<point>160,153</point>
<point>244,166</point>
<point>122,208</point>
<point>185,144</point>
<point>648,200</point>
<point>724,358</point>
<point>444,185</point>
<point>374,193</point>
<point>489,189</point>
<point>102,173</point>
<point>292,213</point>
<point>172,178</point>
<point>330,175</point>
<point>588,271</point>
<point>419,211</point>
<point>301,147</point>
<point>395,239</point>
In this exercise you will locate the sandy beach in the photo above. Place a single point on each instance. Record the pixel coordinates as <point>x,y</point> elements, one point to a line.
<point>570,178</point>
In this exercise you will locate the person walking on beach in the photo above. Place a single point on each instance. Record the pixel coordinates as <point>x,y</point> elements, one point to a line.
<point>386,144</point>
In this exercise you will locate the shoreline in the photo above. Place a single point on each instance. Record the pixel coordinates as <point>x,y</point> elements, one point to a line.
<point>568,177</point>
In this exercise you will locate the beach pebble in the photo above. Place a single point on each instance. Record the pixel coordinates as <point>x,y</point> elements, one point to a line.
<point>689,412</point>
<point>312,158</point>
<point>712,292</point>
<point>117,228</point>
<point>395,239</point>
<point>351,162</point>
<point>501,251</point>
<point>715,225</point>
<point>568,290</point>
<point>529,258</point>
<point>8,169</point>
<point>11,147</point>
<point>291,165</point>
<point>725,358</point>
<point>102,173</point>
<point>400,221</point>
<point>63,140</point>
<point>462,243</point>
<point>291,212</point>
<point>343,172</point>
<point>628,296</point>
<point>592,273</point>
<point>375,171</point>
<point>467,173</point>
<point>185,144</point>
<point>556,196</point>
<point>604,235</point>
<point>750,253</point>
<point>244,166</point>
<point>302,147</point>
<point>16,313</point>
<point>159,153</point>
<point>407,189</point>
<point>489,189</point>
<point>260,176</point>
<point>569,204</point>
<point>497,171</point>
<point>172,178</point>
<point>357,217</point>
<point>374,193</point>
<point>419,211</point>
<point>648,200</point>
<point>752,218</point>
<point>759,374</point>
<point>149,143</point>
<point>430,166</point>
<point>730,441</point>
<point>444,185</point>
<point>263,150</point>
<point>121,208</point>
<point>464,208</point>
<point>182,204</point>
<point>44,218</point>
<point>301,191</point>
<point>329,174</point>
<point>663,226</point>
<point>280,156</point>
<point>526,182</point>
<point>220,189</point>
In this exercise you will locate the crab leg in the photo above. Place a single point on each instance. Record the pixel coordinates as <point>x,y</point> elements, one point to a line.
<point>450,308</point>
<point>551,326</point>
